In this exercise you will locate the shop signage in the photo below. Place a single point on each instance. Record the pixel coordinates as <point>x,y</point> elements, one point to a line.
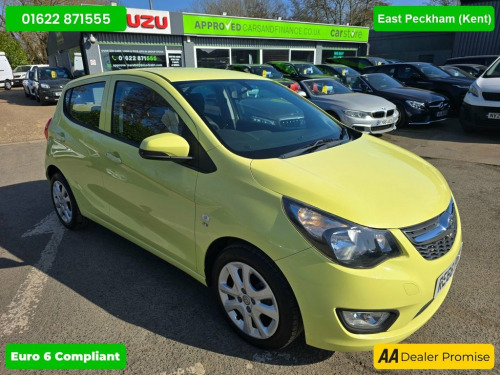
<point>245,27</point>
<point>148,21</point>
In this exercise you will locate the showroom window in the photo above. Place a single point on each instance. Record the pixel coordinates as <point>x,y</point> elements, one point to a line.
<point>332,53</point>
<point>296,55</point>
<point>275,55</point>
<point>245,56</point>
<point>212,58</point>
<point>83,104</point>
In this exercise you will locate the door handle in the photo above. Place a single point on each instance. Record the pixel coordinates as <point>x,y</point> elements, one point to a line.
<point>114,157</point>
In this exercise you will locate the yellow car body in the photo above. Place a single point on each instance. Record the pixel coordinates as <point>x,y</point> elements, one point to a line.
<point>188,214</point>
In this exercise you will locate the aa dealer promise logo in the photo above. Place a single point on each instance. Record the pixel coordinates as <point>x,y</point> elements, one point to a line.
<point>434,356</point>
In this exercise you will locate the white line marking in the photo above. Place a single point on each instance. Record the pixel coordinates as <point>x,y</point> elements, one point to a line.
<point>23,306</point>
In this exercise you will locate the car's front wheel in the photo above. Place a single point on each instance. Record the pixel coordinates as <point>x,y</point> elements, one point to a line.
<point>255,297</point>
<point>65,204</point>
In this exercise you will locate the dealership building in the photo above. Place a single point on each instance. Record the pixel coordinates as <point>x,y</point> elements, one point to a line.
<point>172,39</point>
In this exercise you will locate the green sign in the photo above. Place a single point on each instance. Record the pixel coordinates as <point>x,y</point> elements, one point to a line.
<point>65,18</point>
<point>65,356</point>
<point>245,27</point>
<point>433,18</point>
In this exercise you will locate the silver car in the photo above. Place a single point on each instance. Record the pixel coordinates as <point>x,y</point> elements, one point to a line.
<point>362,112</point>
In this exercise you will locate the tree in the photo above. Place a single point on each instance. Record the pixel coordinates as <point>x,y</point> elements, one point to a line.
<point>340,12</point>
<point>443,2</point>
<point>242,8</point>
<point>35,43</point>
<point>13,49</point>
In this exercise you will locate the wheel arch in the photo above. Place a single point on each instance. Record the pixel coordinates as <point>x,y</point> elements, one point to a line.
<point>216,248</point>
<point>51,171</point>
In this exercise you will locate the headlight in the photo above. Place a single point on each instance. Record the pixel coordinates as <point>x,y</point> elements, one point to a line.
<point>416,105</point>
<point>474,90</point>
<point>357,114</point>
<point>44,86</point>
<point>347,243</point>
<point>462,86</point>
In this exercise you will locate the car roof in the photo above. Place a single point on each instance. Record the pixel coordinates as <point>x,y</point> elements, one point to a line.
<point>184,74</point>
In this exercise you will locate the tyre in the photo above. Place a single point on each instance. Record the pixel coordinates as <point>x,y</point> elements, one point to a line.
<point>65,204</point>
<point>8,84</point>
<point>26,94</point>
<point>403,118</point>
<point>37,97</point>
<point>255,298</point>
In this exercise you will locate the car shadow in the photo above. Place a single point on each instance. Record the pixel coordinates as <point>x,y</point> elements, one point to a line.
<point>450,131</point>
<point>16,96</point>
<point>129,282</point>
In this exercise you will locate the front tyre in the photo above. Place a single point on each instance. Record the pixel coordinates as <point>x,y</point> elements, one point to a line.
<point>65,204</point>
<point>255,297</point>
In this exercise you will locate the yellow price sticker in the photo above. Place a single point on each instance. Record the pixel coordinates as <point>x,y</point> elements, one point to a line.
<point>324,90</point>
<point>53,74</point>
<point>264,73</point>
<point>344,72</point>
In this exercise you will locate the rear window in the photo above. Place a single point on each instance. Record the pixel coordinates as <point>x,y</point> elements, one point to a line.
<point>82,104</point>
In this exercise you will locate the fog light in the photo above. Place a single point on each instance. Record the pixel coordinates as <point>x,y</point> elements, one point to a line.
<point>367,321</point>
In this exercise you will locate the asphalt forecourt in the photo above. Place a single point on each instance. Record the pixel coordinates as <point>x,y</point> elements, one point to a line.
<point>92,286</point>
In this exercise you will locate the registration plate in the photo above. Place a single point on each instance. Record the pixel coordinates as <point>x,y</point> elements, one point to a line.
<point>441,113</point>
<point>445,277</point>
<point>385,121</point>
<point>493,116</point>
<point>57,94</point>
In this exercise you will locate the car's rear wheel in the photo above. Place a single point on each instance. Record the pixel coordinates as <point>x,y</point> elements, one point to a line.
<point>256,298</point>
<point>8,85</point>
<point>65,204</point>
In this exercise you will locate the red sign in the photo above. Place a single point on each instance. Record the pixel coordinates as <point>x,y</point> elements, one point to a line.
<point>148,21</point>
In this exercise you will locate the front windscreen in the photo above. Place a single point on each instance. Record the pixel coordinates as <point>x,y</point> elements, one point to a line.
<point>52,73</point>
<point>432,71</point>
<point>267,71</point>
<point>493,71</point>
<point>380,81</point>
<point>258,119</point>
<point>307,69</point>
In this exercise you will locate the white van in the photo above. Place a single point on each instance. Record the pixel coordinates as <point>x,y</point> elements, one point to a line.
<point>481,106</point>
<point>6,76</point>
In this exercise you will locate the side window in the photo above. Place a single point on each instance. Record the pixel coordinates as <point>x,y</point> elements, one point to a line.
<point>404,72</point>
<point>83,103</point>
<point>389,70</point>
<point>140,112</point>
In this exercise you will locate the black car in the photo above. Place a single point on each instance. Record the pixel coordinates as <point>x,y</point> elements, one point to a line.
<point>297,70</point>
<point>48,82</point>
<point>415,106</point>
<point>427,76</point>
<point>264,70</point>
<point>475,69</point>
<point>486,60</point>
<point>357,62</point>
<point>342,73</point>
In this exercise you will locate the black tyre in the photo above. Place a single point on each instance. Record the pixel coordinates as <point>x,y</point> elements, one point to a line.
<point>255,297</point>
<point>403,118</point>
<point>37,97</point>
<point>8,84</point>
<point>65,204</point>
<point>26,94</point>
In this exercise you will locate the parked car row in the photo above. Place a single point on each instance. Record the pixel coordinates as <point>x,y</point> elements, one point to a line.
<point>408,93</point>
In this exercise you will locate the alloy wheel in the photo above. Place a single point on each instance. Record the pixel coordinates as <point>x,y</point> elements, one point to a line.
<point>62,202</point>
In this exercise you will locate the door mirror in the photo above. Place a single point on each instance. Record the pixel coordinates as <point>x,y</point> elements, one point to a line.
<point>164,146</point>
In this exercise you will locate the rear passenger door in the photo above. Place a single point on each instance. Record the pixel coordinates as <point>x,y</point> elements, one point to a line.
<point>151,201</point>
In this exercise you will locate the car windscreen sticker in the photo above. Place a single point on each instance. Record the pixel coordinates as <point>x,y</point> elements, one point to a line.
<point>53,74</point>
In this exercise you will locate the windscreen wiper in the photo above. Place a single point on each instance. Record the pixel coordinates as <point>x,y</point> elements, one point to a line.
<point>319,145</point>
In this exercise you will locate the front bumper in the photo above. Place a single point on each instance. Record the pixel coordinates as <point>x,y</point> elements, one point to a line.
<point>372,125</point>
<point>49,95</point>
<point>480,117</point>
<point>426,116</point>
<point>406,284</point>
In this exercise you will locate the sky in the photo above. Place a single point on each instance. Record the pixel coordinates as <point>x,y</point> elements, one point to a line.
<point>179,5</point>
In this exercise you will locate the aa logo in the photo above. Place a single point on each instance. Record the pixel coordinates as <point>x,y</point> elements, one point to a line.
<point>385,357</point>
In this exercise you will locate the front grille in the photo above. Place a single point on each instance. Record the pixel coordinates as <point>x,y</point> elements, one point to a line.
<point>378,114</point>
<point>390,112</point>
<point>493,96</point>
<point>381,127</point>
<point>439,106</point>
<point>435,237</point>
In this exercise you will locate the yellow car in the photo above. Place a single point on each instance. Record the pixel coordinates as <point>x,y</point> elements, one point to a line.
<point>295,222</point>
